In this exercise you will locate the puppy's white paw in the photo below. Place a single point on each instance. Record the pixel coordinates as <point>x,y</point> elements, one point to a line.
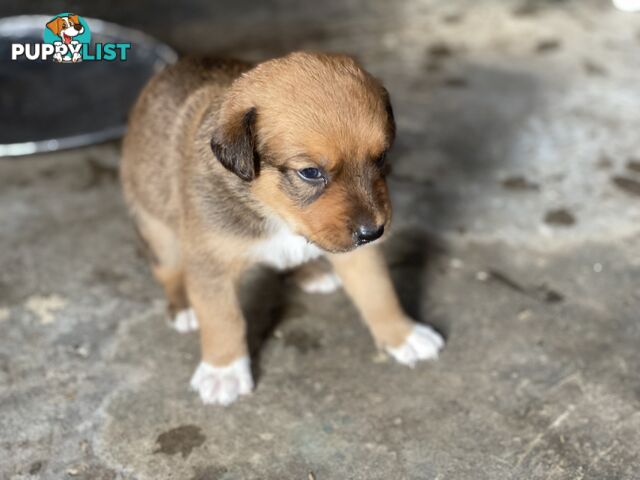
<point>423,343</point>
<point>185,321</point>
<point>222,385</point>
<point>326,282</point>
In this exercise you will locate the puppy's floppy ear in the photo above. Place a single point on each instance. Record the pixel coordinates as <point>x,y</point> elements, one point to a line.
<point>390,118</point>
<point>55,25</point>
<point>74,19</point>
<point>233,143</point>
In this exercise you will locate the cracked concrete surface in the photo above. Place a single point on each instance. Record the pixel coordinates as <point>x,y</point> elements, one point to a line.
<point>517,200</point>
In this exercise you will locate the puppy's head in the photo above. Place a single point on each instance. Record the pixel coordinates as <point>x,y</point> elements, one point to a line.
<point>66,27</point>
<point>310,133</point>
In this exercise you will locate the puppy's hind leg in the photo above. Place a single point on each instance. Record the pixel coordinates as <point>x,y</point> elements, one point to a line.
<point>168,270</point>
<point>317,276</point>
<point>182,317</point>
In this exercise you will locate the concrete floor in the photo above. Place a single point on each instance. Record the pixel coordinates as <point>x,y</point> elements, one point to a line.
<point>517,195</point>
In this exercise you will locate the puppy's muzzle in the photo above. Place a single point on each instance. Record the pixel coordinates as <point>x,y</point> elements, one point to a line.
<point>367,233</point>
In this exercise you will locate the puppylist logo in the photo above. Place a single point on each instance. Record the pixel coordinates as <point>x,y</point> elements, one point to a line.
<point>67,39</point>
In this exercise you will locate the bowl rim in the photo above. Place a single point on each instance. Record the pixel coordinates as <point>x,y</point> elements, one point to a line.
<point>23,24</point>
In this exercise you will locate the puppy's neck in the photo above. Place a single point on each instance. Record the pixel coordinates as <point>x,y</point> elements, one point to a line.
<point>281,248</point>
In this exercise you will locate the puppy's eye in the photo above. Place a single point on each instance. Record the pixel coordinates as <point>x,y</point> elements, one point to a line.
<point>381,160</point>
<point>311,174</point>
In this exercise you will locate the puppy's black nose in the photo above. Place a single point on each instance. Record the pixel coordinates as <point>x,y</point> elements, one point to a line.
<point>78,27</point>
<point>368,233</point>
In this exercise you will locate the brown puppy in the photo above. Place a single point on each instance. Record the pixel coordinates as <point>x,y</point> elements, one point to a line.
<point>226,165</point>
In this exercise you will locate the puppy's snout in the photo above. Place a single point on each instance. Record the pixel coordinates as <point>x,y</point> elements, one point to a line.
<point>368,233</point>
<point>78,28</point>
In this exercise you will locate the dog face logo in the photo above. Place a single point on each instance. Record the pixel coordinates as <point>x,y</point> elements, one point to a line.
<point>67,32</point>
<point>67,39</point>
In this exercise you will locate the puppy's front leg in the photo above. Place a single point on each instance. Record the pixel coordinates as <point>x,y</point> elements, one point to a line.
<point>225,371</point>
<point>366,279</point>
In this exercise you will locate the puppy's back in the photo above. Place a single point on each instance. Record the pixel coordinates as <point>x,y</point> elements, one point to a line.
<point>151,153</point>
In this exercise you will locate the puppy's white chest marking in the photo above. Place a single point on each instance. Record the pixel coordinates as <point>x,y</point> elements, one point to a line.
<point>284,249</point>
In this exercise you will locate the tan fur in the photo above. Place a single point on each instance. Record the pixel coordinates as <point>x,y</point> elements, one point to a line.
<point>222,327</point>
<point>202,213</point>
<point>375,299</point>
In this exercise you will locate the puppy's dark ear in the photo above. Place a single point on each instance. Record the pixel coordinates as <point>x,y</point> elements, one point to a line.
<point>234,144</point>
<point>391,121</point>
